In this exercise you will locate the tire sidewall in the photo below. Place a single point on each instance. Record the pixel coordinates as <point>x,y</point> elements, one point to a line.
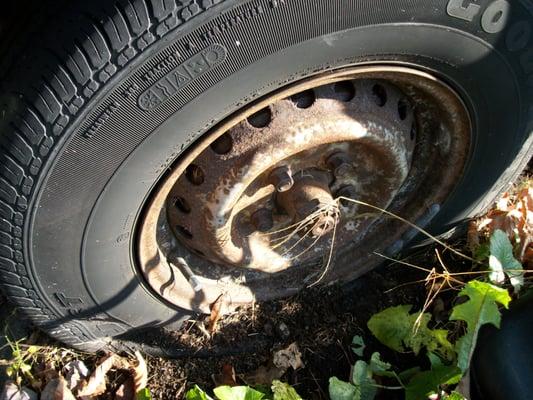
<point>100,277</point>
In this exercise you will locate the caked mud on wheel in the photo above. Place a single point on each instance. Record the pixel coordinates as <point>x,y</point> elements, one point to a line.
<point>156,154</point>
<point>252,211</point>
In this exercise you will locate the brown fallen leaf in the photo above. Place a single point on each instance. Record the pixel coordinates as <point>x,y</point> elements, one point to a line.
<point>57,389</point>
<point>139,373</point>
<point>126,391</point>
<point>289,357</point>
<point>513,214</point>
<point>281,361</point>
<point>218,308</point>
<point>264,375</point>
<point>75,373</point>
<point>472,237</point>
<point>96,384</point>
<point>226,377</point>
<point>11,391</point>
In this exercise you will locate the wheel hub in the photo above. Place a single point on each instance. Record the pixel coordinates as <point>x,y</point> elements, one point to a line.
<point>252,210</point>
<point>289,161</point>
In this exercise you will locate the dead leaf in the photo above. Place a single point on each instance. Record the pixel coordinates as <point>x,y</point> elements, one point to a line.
<point>47,372</point>
<point>513,214</point>
<point>282,360</point>
<point>218,308</point>
<point>57,389</point>
<point>473,236</point>
<point>75,373</point>
<point>139,373</point>
<point>289,357</point>
<point>226,377</point>
<point>11,391</point>
<point>96,384</point>
<point>264,375</point>
<point>126,391</point>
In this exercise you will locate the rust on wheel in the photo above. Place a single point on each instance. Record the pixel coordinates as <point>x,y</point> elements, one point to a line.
<point>252,211</point>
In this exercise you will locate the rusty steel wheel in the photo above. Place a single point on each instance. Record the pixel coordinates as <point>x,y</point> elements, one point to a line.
<point>259,208</point>
<point>156,154</point>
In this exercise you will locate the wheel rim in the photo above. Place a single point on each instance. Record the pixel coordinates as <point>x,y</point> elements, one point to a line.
<point>251,210</point>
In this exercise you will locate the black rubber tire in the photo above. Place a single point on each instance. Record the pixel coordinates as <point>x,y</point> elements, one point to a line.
<point>82,141</point>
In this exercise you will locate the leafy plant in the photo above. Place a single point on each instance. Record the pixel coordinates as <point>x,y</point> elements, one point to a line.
<point>358,345</point>
<point>20,365</point>
<point>480,309</point>
<point>144,394</point>
<point>401,330</point>
<point>278,391</point>
<point>502,262</point>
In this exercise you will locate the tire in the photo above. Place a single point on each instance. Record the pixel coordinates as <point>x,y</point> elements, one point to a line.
<point>81,145</point>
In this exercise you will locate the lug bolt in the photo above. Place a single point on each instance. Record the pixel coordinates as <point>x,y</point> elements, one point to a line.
<point>339,162</point>
<point>262,220</point>
<point>347,191</point>
<point>323,226</point>
<point>281,178</point>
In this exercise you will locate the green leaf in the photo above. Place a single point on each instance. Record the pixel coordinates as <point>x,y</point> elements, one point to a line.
<point>237,393</point>
<point>197,394</point>
<point>480,309</point>
<point>427,383</point>
<point>25,368</point>
<point>436,363</point>
<point>407,375</point>
<point>144,394</point>
<point>284,391</point>
<point>358,345</point>
<point>391,326</point>
<point>399,330</point>
<point>379,367</point>
<point>502,261</point>
<point>365,388</point>
<point>340,390</point>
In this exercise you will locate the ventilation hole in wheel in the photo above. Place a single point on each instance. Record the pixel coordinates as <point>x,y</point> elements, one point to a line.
<point>413,133</point>
<point>497,17</point>
<point>182,205</point>
<point>345,90</point>
<point>261,118</point>
<point>223,144</point>
<point>184,232</point>
<point>402,109</point>
<point>304,99</point>
<point>380,95</point>
<point>194,174</point>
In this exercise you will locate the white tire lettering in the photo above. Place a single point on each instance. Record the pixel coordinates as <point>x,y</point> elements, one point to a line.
<point>457,9</point>
<point>495,17</point>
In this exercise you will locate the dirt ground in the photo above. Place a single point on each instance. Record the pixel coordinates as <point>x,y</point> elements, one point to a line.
<point>321,321</point>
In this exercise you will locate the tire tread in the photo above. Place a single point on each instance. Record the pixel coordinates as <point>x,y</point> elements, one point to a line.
<point>71,71</point>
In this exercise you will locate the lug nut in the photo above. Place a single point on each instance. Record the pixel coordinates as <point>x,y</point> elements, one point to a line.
<point>323,226</point>
<point>281,178</point>
<point>262,220</point>
<point>347,191</point>
<point>339,162</point>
